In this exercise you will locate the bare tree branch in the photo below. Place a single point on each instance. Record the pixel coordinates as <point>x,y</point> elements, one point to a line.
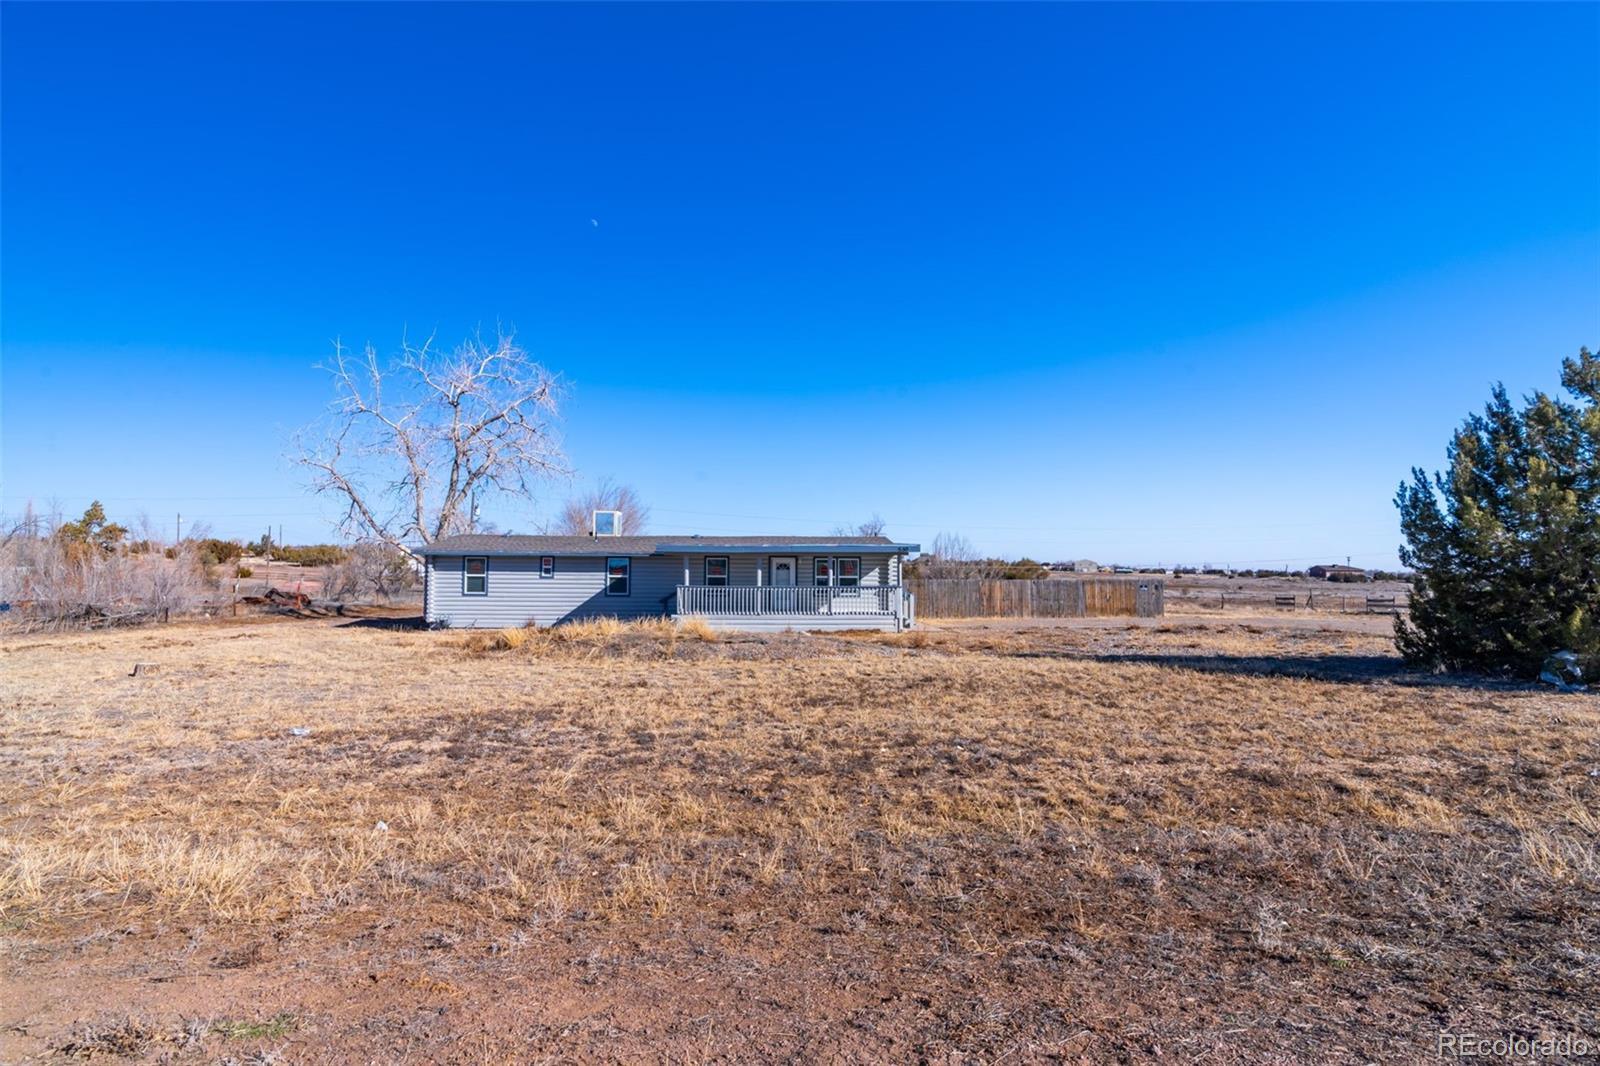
<point>578,511</point>
<point>405,446</point>
<point>872,527</point>
<point>952,555</point>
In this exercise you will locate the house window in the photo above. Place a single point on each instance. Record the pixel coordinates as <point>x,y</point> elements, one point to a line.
<point>821,571</point>
<point>849,571</point>
<point>547,566</point>
<point>477,575</point>
<point>617,570</point>
<point>716,569</point>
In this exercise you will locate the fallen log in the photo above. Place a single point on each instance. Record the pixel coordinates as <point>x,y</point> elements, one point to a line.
<point>297,603</point>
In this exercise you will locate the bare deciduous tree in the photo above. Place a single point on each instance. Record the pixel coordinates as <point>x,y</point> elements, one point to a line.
<point>163,587</point>
<point>49,580</point>
<point>578,512</point>
<point>371,571</point>
<point>872,527</point>
<point>408,444</point>
<point>952,555</point>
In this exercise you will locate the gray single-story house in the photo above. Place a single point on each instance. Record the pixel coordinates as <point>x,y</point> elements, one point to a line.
<point>760,583</point>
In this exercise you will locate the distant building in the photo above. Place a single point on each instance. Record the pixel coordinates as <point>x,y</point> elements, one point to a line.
<point>1084,566</point>
<point>1339,572</point>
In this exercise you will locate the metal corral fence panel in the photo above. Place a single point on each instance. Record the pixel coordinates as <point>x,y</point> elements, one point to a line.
<point>1338,599</point>
<point>1056,598</point>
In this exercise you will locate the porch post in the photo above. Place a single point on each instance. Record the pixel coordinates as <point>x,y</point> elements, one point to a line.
<point>686,570</point>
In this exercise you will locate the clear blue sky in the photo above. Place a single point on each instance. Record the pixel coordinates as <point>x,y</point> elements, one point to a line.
<point>1142,283</point>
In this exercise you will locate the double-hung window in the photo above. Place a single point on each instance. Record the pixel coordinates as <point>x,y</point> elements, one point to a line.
<point>822,570</point>
<point>849,572</point>
<point>547,566</point>
<point>617,573</point>
<point>475,575</point>
<point>716,569</point>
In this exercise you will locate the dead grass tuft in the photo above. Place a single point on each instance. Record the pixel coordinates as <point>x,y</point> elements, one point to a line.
<point>638,638</point>
<point>695,628</point>
<point>121,1036</point>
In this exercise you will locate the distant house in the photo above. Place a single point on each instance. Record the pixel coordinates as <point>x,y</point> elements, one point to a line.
<point>1338,572</point>
<point>1084,566</point>
<point>759,583</point>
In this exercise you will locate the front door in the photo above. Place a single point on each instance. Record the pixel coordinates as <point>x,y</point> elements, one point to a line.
<point>783,570</point>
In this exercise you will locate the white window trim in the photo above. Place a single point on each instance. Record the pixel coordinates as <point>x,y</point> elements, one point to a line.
<point>727,570</point>
<point>547,566</point>
<point>838,574</point>
<point>627,575</point>
<point>827,559</point>
<point>466,578</point>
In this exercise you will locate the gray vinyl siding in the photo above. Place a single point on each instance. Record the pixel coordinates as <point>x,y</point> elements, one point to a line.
<point>742,568</point>
<point>518,596</point>
<point>872,567</point>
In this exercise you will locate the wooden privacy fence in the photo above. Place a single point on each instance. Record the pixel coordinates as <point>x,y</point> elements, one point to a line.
<point>960,597</point>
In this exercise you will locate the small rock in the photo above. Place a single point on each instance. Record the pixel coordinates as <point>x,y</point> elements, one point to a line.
<point>1562,670</point>
<point>300,731</point>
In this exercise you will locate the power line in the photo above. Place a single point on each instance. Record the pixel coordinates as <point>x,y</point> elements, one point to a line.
<point>958,526</point>
<point>1049,529</point>
<point>137,499</point>
<point>1055,532</point>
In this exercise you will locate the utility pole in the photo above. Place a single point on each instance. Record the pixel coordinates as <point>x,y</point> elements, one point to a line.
<point>179,538</point>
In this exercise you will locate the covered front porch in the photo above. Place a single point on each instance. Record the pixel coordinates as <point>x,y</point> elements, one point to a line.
<point>888,607</point>
<point>794,586</point>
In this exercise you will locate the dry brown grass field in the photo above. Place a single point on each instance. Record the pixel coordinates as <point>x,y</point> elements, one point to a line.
<point>1213,594</point>
<point>1221,839</point>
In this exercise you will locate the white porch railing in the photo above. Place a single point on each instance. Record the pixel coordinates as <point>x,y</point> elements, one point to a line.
<point>753,600</point>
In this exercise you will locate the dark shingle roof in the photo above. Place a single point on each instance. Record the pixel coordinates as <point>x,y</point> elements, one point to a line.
<point>518,544</point>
